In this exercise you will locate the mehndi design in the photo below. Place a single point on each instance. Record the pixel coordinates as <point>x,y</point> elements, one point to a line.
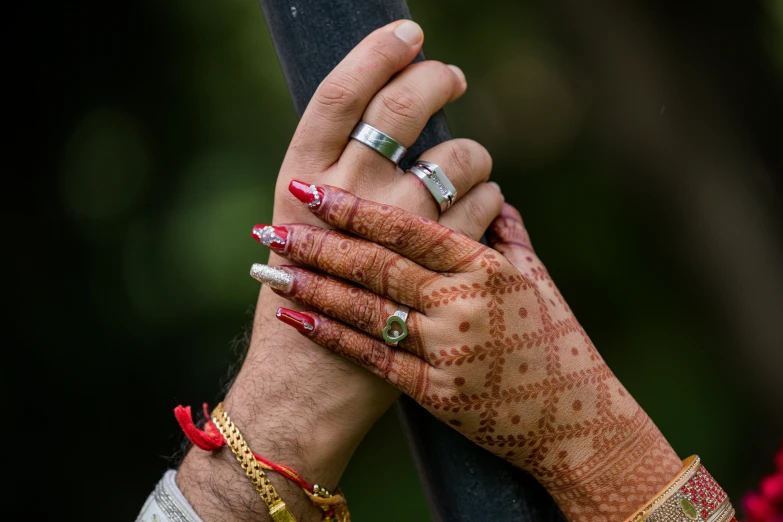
<point>494,349</point>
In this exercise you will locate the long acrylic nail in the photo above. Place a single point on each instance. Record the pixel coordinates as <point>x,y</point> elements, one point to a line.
<point>310,195</point>
<point>303,323</point>
<point>272,276</point>
<point>271,236</point>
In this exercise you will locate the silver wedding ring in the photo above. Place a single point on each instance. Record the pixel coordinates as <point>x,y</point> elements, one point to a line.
<point>396,330</point>
<point>379,141</point>
<point>436,182</point>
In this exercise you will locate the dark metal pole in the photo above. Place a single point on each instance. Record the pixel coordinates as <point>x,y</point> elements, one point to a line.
<point>462,481</point>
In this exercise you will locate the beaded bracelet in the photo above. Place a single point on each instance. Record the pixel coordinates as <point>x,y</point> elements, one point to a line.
<point>692,495</point>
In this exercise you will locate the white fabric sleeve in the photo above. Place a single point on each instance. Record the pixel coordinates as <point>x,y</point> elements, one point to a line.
<point>167,503</point>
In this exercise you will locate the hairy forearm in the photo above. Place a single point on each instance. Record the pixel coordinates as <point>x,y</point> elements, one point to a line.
<point>296,404</point>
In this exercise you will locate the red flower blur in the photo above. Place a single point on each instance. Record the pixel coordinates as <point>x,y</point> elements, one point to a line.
<point>766,505</point>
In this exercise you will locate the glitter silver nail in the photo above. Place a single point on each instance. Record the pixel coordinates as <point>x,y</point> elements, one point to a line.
<point>269,275</point>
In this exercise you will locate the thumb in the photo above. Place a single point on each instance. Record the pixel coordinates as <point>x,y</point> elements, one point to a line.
<point>507,234</point>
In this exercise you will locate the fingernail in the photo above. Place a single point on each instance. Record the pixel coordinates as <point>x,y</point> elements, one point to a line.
<point>409,32</point>
<point>272,276</point>
<point>273,237</point>
<point>303,323</point>
<point>493,184</point>
<point>310,195</point>
<point>461,75</point>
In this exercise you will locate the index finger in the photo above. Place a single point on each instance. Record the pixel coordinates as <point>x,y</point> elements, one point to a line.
<point>342,97</point>
<point>419,239</point>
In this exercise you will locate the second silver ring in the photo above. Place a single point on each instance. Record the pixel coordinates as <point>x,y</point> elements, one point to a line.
<point>436,182</point>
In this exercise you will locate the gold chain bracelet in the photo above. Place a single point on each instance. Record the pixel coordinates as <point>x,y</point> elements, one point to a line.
<point>277,508</point>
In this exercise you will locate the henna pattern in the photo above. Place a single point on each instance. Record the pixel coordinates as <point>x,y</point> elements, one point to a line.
<point>507,363</point>
<point>559,411</point>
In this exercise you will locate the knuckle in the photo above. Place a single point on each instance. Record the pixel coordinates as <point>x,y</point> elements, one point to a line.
<point>339,341</point>
<point>465,229</point>
<point>307,286</point>
<point>476,210</point>
<point>439,71</point>
<point>317,292</point>
<point>447,76</point>
<point>304,246</point>
<point>333,245</point>
<point>461,156</point>
<point>481,155</point>
<point>402,104</point>
<point>382,54</point>
<point>439,67</point>
<point>500,200</point>
<point>496,200</point>
<point>378,357</point>
<point>405,231</point>
<point>364,312</point>
<point>336,93</point>
<point>467,311</point>
<point>366,263</point>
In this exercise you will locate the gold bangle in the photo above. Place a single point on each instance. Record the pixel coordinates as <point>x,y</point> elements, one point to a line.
<point>277,508</point>
<point>693,495</point>
<point>689,467</point>
<point>699,499</point>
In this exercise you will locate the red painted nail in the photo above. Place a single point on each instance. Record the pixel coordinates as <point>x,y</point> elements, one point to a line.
<point>311,195</point>
<point>271,236</point>
<point>303,323</point>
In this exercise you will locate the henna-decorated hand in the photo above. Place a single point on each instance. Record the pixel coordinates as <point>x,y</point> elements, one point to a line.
<point>493,349</point>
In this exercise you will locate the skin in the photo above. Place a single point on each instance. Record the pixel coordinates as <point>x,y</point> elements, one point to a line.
<point>296,403</point>
<point>493,348</point>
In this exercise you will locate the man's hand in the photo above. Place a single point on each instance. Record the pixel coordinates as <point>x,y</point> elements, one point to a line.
<point>296,403</point>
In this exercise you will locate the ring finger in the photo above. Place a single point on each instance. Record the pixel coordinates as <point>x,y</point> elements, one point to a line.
<point>360,308</point>
<point>402,108</point>
<point>465,162</point>
<point>397,367</point>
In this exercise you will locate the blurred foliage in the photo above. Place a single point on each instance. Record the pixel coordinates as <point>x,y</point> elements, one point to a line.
<point>167,131</point>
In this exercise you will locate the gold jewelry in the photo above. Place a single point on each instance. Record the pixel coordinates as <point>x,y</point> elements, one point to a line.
<point>693,495</point>
<point>689,467</point>
<point>724,513</point>
<point>277,508</point>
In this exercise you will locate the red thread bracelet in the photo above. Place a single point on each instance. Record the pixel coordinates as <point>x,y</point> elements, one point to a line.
<point>210,439</point>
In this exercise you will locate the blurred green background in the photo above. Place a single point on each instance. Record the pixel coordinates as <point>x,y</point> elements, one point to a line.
<point>642,143</point>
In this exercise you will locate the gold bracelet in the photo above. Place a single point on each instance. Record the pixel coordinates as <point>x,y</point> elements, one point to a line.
<point>277,508</point>
<point>692,495</point>
<point>689,467</point>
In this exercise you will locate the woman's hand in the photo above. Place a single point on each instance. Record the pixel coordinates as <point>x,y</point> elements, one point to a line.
<point>493,349</point>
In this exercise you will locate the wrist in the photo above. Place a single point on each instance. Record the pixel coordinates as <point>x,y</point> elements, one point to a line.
<point>615,471</point>
<point>296,404</point>
<point>299,404</point>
